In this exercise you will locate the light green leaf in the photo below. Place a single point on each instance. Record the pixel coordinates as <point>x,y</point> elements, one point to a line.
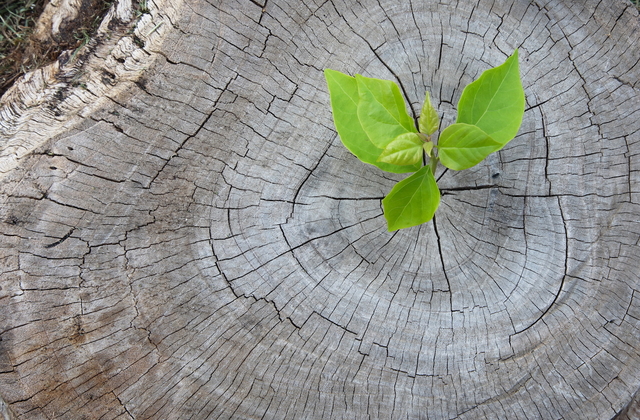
<point>382,111</point>
<point>495,102</point>
<point>412,201</point>
<point>462,146</point>
<point>429,120</point>
<point>406,149</point>
<point>343,91</point>
<point>428,147</point>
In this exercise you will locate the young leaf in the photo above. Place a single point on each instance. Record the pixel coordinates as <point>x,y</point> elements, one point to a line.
<point>429,120</point>
<point>382,111</point>
<point>412,201</point>
<point>428,147</point>
<point>343,91</point>
<point>495,102</point>
<point>406,149</point>
<point>462,146</point>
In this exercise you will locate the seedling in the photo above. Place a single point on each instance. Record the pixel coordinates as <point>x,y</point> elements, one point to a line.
<point>372,121</point>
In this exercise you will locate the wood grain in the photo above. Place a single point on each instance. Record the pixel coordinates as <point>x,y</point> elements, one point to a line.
<point>195,242</point>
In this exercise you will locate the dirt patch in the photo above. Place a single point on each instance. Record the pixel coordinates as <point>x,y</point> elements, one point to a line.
<point>33,33</point>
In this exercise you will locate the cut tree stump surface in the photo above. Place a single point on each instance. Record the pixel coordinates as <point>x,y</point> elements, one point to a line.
<point>185,237</point>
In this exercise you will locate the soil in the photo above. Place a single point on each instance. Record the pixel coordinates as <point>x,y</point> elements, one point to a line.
<point>37,51</point>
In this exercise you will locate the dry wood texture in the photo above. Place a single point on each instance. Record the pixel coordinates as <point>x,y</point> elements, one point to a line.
<point>184,236</point>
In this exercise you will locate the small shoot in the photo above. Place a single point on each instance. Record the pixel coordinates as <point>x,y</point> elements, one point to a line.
<point>372,121</point>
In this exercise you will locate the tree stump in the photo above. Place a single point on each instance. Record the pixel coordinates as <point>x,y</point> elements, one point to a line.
<point>184,236</point>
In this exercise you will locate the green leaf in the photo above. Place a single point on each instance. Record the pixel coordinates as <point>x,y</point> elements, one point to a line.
<point>462,146</point>
<point>429,120</point>
<point>428,147</point>
<point>382,111</point>
<point>412,201</point>
<point>343,91</point>
<point>495,102</point>
<point>406,149</point>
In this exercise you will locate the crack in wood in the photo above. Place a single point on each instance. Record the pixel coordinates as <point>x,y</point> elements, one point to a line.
<point>61,240</point>
<point>337,322</point>
<point>562,282</point>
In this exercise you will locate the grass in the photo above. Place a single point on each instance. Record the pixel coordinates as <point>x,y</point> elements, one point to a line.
<point>17,19</point>
<point>19,53</point>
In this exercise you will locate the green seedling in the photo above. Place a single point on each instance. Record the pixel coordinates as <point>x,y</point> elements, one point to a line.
<point>372,121</point>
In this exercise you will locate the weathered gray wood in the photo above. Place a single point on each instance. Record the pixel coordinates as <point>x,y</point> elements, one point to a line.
<point>198,244</point>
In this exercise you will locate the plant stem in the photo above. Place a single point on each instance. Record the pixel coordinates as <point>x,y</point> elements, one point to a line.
<point>433,162</point>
